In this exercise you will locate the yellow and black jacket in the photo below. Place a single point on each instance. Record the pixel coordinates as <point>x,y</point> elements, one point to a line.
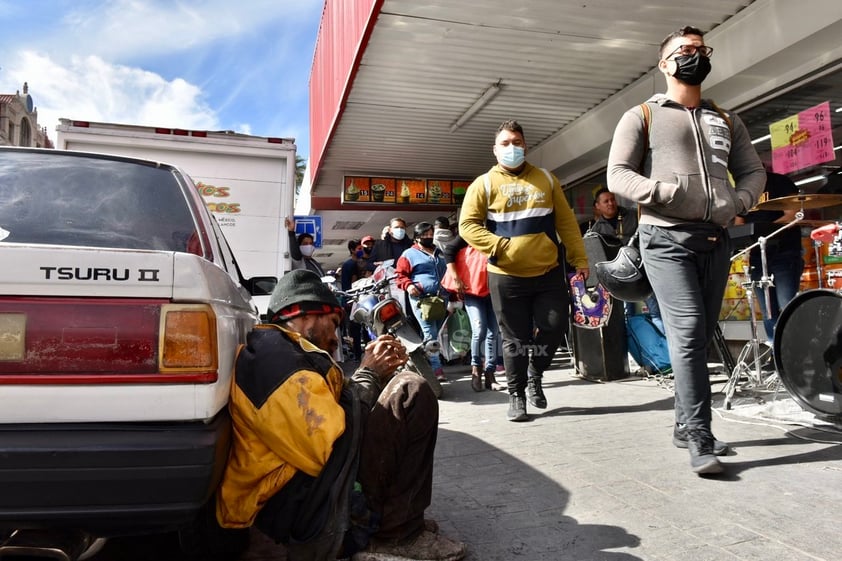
<point>286,418</point>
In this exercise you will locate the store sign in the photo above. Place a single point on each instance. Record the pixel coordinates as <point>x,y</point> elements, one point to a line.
<point>403,191</point>
<point>803,140</point>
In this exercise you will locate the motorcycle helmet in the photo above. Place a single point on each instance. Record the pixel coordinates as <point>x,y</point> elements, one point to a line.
<point>624,277</point>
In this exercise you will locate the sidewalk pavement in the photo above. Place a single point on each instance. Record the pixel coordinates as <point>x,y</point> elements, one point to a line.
<point>595,477</point>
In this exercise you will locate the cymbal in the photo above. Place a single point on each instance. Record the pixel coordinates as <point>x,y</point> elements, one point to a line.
<point>796,202</point>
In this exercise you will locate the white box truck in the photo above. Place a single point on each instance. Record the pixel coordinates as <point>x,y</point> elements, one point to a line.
<point>248,182</point>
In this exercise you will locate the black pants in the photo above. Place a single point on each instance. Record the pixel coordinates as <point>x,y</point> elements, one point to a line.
<point>533,313</point>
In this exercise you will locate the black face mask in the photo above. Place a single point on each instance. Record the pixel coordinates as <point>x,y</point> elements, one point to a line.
<point>426,242</point>
<point>693,69</point>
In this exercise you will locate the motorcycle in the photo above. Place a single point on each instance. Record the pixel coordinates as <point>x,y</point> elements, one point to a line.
<point>380,313</point>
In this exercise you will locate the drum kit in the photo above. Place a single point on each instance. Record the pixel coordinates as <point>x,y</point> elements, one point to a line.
<point>807,347</point>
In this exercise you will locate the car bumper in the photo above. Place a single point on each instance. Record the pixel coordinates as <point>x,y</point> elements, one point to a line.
<point>109,479</point>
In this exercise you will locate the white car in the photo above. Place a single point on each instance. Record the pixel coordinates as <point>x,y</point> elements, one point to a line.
<point>121,310</point>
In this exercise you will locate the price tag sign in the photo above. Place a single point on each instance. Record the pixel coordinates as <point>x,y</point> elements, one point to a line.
<point>803,140</point>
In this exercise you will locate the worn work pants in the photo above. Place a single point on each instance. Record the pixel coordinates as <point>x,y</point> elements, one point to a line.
<point>396,462</point>
<point>533,314</point>
<point>689,285</point>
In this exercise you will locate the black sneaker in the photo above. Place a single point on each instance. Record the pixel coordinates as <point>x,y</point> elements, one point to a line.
<point>700,446</point>
<point>679,439</point>
<point>536,393</point>
<point>517,408</point>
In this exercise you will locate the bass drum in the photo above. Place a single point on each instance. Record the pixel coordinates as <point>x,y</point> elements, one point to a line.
<point>808,351</point>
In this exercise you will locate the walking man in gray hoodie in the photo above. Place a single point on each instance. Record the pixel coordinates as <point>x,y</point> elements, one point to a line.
<point>672,157</point>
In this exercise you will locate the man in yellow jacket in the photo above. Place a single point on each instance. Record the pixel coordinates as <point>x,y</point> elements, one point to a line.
<point>518,216</point>
<point>327,465</point>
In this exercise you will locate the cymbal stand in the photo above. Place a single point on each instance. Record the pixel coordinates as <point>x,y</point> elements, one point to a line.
<point>751,359</point>
<point>817,247</point>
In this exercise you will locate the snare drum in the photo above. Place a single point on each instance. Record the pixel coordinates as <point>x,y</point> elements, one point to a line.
<point>808,351</point>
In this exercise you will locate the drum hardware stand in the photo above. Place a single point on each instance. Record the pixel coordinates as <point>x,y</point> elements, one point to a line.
<point>817,247</point>
<point>751,351</point>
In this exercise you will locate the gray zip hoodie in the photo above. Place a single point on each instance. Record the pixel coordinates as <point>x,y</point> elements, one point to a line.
<point>684,174</point>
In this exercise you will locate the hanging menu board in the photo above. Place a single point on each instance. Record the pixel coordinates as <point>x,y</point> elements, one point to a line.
<point>404,191</point>
<point>802,140</point>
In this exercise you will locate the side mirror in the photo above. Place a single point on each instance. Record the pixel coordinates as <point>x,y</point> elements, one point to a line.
<point>261,286</point>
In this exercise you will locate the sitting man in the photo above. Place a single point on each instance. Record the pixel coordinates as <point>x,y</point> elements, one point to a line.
<point>611,218</point>
<point>618,223</point>
<point>324,464</point>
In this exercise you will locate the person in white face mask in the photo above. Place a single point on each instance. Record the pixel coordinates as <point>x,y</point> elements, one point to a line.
<point>517,215</point>
<point>393,244</point>
<point>301,250</point>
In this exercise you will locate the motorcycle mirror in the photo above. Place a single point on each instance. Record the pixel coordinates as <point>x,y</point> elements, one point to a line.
<point>328,279</point>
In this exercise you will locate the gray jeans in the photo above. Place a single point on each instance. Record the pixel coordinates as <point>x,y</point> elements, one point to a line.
<point>688,277</point>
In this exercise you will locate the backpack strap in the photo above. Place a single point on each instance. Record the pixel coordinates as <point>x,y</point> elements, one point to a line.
<point>549,177</point>
<point>487,181</point>
<point>647,120</point>
<point>722,114</point>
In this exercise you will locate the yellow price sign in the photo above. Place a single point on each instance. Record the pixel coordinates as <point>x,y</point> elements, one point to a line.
<point>782,131</point>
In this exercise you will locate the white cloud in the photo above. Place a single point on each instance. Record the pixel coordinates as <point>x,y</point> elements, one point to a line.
<point>122,28</point>
<point>203,64</point>
<point>91,89</point>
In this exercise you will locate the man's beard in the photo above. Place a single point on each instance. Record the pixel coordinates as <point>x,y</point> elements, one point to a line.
<point>325,345</point>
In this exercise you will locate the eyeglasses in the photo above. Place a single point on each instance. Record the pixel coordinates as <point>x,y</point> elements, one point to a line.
<point>690,50</point>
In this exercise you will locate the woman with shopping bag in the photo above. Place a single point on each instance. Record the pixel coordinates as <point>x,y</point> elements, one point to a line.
<point>467,276</point>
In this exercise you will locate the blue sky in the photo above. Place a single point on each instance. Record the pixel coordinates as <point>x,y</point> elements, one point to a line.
<point>196,64</point>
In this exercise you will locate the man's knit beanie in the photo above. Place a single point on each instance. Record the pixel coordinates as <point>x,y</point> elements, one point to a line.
<point>301,292</point>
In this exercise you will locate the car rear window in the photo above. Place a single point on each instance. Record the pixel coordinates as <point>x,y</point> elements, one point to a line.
<point>68,199</point>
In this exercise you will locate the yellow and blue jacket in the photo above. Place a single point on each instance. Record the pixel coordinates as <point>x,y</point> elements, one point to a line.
<point>517,220</point>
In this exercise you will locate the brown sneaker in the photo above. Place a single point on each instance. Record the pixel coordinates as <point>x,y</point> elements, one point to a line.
<point>427,547</point>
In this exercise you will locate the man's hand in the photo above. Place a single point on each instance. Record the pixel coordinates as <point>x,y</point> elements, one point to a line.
<point>383,356</point>
<point>413,291</point>
<point>289,223</point>
<point>584,271</point>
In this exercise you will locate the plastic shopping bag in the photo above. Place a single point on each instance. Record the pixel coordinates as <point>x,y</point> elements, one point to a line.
<point>455,335</point>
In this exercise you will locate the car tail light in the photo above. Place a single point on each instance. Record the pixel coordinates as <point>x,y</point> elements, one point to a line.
<point>106,341</point>
<point>188,338</point>
<point>388,311</point>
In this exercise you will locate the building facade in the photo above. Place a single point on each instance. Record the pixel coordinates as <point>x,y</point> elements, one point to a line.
<point>19,121</point>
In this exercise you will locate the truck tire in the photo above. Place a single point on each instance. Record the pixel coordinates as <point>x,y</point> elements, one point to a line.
<point>419,363</point>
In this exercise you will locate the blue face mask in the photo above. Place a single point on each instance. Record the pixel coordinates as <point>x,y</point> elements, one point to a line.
<point>510,156</point>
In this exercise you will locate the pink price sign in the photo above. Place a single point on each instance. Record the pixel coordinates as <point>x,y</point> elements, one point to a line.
<point>802,140</point>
